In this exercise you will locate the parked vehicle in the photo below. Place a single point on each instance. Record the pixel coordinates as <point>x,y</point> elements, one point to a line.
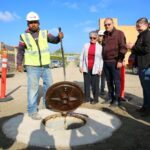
<point>131,64</point>
<point>55,64</point>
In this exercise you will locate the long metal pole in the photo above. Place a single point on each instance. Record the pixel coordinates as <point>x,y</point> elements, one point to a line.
<point>63,58</point>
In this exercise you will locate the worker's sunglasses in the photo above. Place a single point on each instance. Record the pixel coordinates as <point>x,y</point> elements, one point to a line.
<point>93,38</point>
<point>33,22</point>
<point>108,24</point>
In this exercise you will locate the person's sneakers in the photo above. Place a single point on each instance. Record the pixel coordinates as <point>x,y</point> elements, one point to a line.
<point>35,116</point>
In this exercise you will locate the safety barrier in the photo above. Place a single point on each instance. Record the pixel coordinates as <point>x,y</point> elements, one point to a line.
<point>122,83</point>
<point>3,96</point>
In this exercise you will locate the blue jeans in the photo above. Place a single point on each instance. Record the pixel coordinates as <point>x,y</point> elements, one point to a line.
<point>34,74</point>
<point>113,80</point>
<point>144,75</point>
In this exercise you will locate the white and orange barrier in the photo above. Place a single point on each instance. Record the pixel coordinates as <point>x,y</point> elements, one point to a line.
<point>3,96</point>
<point>122,82</point>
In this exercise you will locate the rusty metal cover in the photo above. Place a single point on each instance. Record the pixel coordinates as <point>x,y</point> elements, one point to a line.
<point>64,96</point>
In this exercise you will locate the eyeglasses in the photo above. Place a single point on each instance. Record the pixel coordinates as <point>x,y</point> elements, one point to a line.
<point>139,25</point>
<point>108,24</point>
<point>93,38</point>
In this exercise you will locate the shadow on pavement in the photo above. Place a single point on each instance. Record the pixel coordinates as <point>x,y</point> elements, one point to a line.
<point>132,135</point>
<point>6,143</point>
<point>37,135</point>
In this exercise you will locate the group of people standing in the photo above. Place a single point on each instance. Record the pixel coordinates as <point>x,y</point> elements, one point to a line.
<point>104,55</point>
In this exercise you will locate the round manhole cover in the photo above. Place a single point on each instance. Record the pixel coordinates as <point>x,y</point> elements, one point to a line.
<point>64,96</point>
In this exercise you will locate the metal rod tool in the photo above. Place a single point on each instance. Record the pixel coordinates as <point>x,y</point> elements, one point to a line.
<point>63,58</point>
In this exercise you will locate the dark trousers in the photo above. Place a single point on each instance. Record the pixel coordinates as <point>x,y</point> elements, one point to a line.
<point>144,76</point>
<point>102,81</point>
<point>91,80</point>
<point>113,80</point>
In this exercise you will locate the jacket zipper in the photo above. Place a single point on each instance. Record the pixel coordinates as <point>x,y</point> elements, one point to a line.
<point>39,52</point>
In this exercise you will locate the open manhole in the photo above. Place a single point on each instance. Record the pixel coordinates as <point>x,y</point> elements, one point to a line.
<point>98,126</point>
<point>60,122</point>
<point>64,97</point>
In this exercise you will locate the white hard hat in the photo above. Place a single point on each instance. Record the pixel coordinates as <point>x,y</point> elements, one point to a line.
<point>32,16</point>
<point>101,32</point>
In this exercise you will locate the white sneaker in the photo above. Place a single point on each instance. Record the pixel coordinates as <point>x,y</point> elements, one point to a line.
<point>35,116</point>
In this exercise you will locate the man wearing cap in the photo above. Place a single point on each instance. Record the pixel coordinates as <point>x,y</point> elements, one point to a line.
<point>102,77</point>
<point>33,52</point>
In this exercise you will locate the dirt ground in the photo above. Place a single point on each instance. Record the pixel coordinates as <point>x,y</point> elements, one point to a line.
<point>134,133</point>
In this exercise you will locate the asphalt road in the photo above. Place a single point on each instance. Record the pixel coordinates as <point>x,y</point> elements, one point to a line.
<point>134,132</point>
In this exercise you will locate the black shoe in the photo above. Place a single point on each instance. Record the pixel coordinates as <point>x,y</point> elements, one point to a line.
<point>111,102</point>
<point>115,104</point>
<point>141,110</point>
<point>146,113</point>
<point>93,102</point>
<point>107,102</point>
<point>86,100</point>
<point>102,92</point>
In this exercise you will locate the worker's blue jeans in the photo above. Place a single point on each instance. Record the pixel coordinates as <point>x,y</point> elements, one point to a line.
<point>144,75</point>
<point>34,74</point>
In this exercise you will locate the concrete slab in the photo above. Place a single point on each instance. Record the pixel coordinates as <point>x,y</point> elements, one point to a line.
<point>99,126</point>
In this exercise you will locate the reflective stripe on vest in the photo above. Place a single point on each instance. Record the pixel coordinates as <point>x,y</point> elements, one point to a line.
<point>33,52</point>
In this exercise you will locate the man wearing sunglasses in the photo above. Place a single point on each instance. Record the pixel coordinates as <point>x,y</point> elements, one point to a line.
<point>141,49</point>
<point>34,51</point>
<point>114,49</point>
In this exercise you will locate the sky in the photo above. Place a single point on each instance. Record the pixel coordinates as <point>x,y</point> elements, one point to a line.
<point>75,17</point>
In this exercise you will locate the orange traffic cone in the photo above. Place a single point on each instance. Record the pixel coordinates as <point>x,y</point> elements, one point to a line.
<point>3,96</point>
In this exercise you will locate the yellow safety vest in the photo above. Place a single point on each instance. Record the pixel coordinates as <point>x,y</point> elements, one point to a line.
<point>36,54</point>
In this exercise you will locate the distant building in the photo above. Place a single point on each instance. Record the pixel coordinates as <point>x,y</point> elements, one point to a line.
<point>129,31</point>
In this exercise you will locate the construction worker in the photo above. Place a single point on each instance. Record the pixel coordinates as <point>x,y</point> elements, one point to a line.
<point>33,52</point>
